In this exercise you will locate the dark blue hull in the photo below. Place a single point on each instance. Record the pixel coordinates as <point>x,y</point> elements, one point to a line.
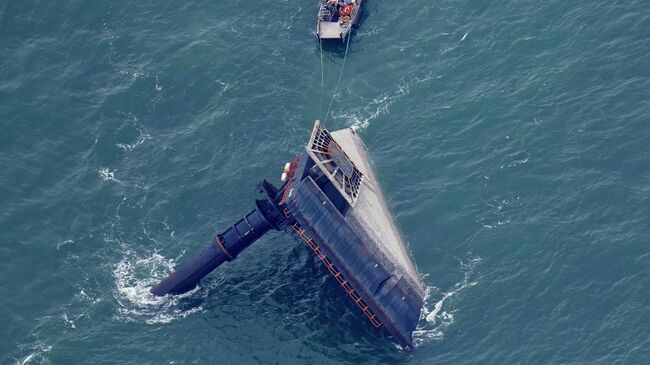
<point>386,296</point>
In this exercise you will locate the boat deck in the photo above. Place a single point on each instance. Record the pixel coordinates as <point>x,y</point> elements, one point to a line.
<point>330,30</point>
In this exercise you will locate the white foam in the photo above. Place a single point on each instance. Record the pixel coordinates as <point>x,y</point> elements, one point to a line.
<point>82,295</point>
<point>499,214</point>
<point>515,159</point>
<point>142,137</point>
<point>367,31</point>
<point>434,321</point>
<point>158,86</point>
<point>39,351</point>
<point>378,106</point>
<point>134,277</point>
<point>61,244</point>
<point>107,175</point>
<point>69,322</point>
<point>224,86</point>
<point>135,75</point>
<point>435,313</point>
<point>361,119</point>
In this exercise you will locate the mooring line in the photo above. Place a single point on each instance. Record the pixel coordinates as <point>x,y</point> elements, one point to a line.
<point>322,77</point>
<point>340,75</point>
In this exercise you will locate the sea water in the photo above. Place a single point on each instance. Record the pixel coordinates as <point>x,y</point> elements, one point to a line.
<point>510,137</point>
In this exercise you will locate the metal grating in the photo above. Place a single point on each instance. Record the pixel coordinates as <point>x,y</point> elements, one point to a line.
<point>334,163</point>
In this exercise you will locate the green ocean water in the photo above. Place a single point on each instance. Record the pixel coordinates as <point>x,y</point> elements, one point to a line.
<point>511,139</point>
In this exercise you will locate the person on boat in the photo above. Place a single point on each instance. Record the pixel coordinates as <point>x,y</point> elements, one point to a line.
<point>345,10</point>
<point>333,7</point>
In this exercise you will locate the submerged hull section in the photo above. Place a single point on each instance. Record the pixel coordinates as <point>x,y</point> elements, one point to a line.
<point>361,241</point>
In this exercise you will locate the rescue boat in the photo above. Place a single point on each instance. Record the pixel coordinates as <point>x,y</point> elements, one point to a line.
<point>337,19</point>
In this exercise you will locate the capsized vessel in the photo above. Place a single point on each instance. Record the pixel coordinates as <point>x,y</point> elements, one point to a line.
<point>331,200</point>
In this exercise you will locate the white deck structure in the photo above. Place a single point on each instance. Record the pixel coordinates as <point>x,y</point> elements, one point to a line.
<point>330,30</point>
<point>370,210</point>
<point>327,29</point>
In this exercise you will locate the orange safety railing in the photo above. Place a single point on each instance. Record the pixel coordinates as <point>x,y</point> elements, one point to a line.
<point>337,274</point>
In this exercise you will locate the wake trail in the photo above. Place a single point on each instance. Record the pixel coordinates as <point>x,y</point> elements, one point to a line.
<point>361,118</point>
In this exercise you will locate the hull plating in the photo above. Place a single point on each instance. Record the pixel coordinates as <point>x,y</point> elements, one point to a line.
<point>362,243</point>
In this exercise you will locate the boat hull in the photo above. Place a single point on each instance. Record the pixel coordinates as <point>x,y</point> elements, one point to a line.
<point>360,246</point>
<point>328,30</point>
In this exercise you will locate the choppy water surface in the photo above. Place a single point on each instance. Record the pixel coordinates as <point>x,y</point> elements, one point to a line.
<point>511,139</point>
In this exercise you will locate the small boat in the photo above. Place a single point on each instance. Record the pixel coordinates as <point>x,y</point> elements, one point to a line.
<point>337,18</point>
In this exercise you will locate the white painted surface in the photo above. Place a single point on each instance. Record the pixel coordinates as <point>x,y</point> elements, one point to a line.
<point>371,210</point>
